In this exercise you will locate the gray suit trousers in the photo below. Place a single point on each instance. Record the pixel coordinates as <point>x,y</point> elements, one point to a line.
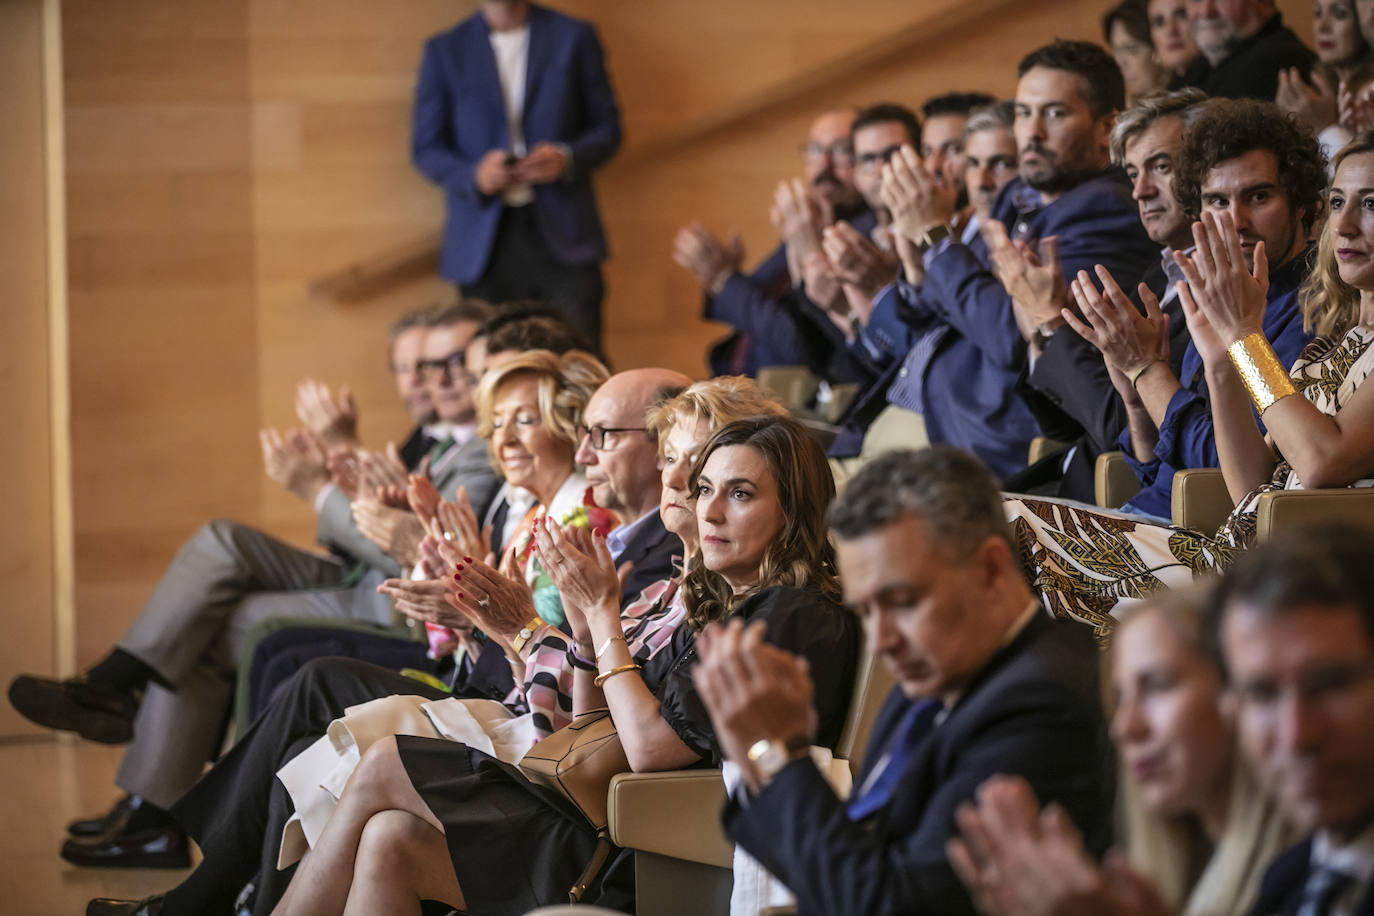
<point>225,580</point>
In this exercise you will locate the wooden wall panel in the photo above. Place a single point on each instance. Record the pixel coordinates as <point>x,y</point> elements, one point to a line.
<point>224,154</point>
<point>27,540</point>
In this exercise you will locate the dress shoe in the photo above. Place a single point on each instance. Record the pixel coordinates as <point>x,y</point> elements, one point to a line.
<point>111,821</point>
<point>149,847</point>
<point>109,906</point>
<point>94,712</point>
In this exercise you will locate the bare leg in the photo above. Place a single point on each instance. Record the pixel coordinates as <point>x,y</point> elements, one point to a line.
<point>379,783</point>
<point>401,861</point>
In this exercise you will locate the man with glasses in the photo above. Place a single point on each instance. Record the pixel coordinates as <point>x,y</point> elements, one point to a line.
<point>773,320</point>
<point>1295,624</point>
<point>620,455</point>
<point>168,683</point>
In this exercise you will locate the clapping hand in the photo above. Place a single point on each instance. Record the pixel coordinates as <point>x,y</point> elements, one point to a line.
<point>584,574</point>
<point>334,421</point>
<point>856,260</point>
<point>752,691</point>
<point>823,287</point>
<point>1314,104</point>
<point>345,470</point>
<point>705,257</point>
<point>1033,279</point>
<point>917,200</point>
<point>1356,109</point>
<point>1018,861</point>
<point>457,524</point>
<point>799,218</point>
<point>295,460</point>
<point>500,604</point>
<point>1129,341</point>
<point>382,469</point>
<point>396,531</point>
<point>426,600</point>
<point>1223,301</point>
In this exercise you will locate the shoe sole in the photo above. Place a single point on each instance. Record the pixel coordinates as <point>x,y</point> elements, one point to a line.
<point>42,708</point>
<point>156,860</point>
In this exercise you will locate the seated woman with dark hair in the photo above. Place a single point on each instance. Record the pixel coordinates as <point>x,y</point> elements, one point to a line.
<point>1088,564</point>
<point>426,819</point>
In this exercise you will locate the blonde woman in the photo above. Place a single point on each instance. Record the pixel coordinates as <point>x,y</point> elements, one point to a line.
<point>1197,829</point>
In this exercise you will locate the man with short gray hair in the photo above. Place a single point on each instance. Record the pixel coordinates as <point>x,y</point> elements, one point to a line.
<point>1244,46</point>
<point>986,683</point>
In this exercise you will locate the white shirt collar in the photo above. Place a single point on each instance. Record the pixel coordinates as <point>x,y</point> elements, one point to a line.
<point>618,537</point>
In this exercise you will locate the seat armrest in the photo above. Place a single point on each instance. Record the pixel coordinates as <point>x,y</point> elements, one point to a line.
<point>1113,480</point>
<point>674,813</point>
<point>1278,510</point>
<point>1042,447</point>
<point>1200,500</point>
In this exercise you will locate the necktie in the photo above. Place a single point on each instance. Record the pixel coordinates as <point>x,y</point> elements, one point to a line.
<point>878,787</point>
<point>440,448</point>
<point>1324,886</point>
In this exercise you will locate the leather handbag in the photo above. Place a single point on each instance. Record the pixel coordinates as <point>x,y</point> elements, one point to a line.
<point>578,762</point>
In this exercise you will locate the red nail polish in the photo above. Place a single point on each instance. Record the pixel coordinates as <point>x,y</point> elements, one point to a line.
<point>467,559</point>
<point>460,594</point>
<point>458,577</point>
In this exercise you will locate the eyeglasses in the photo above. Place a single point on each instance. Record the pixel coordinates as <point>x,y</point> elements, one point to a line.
<point>838,152</point>
<point>453,364</point>
<point>597,434</point>
<point>869,161</point>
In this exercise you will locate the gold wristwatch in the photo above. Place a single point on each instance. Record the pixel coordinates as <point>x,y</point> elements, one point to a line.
<point>770,755</point>
<point>932,237</point>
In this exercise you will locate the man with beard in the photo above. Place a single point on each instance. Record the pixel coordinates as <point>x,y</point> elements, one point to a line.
<point>1245,46</point>
<point>963,350</point>
<point>774,322</point>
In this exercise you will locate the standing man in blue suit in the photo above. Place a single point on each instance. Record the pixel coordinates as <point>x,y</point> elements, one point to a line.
<point>513,113</point>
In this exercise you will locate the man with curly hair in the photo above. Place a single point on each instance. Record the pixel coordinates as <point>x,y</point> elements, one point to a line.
<point>1247,159</point>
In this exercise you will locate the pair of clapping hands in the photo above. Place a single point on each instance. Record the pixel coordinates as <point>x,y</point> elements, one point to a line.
<point>1223,299</point>
<point>300,459</point>
<point>1017,860</point>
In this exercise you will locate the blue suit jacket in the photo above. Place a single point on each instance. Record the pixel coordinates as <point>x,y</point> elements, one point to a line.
<point>1281,887</point>
<point>459,116</point>
<point>775,324</point>
<point>1187,438</point>
<point>1034,711</point>
<point>969,392</point>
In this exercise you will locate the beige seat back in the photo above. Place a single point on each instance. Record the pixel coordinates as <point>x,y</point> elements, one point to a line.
<point>872,684</point>
<point>1114,482</point>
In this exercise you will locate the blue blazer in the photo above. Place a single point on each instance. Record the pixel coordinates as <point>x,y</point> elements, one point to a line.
<point>1034,710</point>
<point>460,115</point>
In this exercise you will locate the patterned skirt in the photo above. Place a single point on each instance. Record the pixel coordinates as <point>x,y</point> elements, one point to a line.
<point>1088,564</point>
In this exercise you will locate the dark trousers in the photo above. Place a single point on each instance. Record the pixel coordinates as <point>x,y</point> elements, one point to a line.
<point>237,810</point>
<point>522,267</point>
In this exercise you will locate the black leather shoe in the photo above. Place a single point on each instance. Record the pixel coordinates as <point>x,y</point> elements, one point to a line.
<point>76,705</point>
<point>153,847</point>
<point>111,821</point>
<point>108,906</point>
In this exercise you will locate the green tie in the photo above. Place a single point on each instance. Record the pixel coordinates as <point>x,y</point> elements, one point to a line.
<point>440,448</point>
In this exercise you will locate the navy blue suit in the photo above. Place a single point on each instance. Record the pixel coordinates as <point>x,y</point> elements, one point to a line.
<point>1034,710</point>
<point>1282,885</point>
<point>460,115</point>
<point>968,383</point>
<point>775,324</point>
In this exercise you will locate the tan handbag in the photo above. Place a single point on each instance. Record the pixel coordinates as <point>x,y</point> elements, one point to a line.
<point>578,761</point>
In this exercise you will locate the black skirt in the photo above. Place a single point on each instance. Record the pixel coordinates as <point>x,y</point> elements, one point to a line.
<point>515,846</point>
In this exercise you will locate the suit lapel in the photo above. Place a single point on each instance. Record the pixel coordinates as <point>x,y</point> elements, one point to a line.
<point>541,51</point>
<point>477,48</point>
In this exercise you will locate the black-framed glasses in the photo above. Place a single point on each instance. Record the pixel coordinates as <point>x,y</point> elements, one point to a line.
<point>876,160</point>
<point>454,364</point>
<point>597,434</point>
<point>839,152</point>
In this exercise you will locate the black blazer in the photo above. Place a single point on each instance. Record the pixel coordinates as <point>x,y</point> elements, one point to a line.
<point>1034,710</point>
<point>652,550</point>
<point>1281,887</point>
<point>1073,400</point>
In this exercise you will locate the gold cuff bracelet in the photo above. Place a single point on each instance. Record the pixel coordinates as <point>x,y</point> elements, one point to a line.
<point>1260,371</point>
